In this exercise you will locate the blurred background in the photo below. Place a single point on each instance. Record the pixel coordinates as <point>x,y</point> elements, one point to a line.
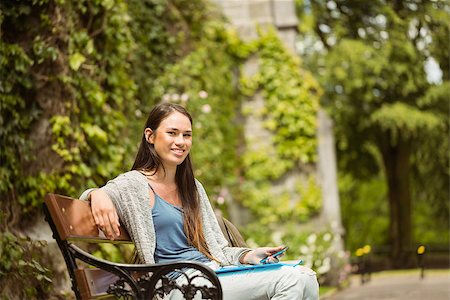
<point>321,125</point>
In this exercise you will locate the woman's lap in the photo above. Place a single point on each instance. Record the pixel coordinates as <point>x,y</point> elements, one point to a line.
<point>286,282</point>
<point>282,283</point>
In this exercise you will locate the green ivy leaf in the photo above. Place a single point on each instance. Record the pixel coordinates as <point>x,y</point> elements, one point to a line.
<point>76,60</point>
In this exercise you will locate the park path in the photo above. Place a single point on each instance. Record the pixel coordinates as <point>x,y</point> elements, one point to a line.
<point>435,286</point>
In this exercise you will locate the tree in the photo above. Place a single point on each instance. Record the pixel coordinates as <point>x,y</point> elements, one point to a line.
<point>373,67</point>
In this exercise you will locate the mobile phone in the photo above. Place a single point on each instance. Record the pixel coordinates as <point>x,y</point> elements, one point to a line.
<point>275,255</point>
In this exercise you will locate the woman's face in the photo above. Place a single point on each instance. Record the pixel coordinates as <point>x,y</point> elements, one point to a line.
<point>172,139</point>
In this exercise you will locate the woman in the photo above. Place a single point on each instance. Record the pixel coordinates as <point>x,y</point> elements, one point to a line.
<point>168,215</point>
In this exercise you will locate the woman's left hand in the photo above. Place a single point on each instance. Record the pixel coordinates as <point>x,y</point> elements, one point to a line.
<point>255,256</point>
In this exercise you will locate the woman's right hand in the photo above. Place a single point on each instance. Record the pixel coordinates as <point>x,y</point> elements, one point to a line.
<point>255,256</point>
<point>105,214</point>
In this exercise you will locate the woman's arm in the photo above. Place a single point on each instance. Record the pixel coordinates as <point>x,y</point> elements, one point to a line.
<point>105,213</point>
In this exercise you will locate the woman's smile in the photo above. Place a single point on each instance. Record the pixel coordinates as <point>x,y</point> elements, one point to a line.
<point>178,151</point>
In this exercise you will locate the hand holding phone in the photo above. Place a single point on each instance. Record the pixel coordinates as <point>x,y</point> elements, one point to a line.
<point>275,255</point>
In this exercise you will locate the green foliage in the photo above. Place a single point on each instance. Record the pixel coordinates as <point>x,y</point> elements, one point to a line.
<point>282,207</point>
<point>310,203</point>
<point>431,226</point>
<point>366,215</point>
<point>319,253</point>
<point>370,57</point>
<point>166,31</point>
<point>291,97</point>
<point>363,79</point>
<point>72,99</point>
<point>115,253</point>
<point>400,118</point>
<point>431,161</point>
<point>20,265</point>
<point>17,114</point>
<point>263,165</point>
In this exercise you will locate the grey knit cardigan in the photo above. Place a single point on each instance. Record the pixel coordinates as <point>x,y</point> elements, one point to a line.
<point>130,193</point>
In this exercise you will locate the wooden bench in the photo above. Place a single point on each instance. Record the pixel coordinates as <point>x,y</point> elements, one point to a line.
<point>72,222</point>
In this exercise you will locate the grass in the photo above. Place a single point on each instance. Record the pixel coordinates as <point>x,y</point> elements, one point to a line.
<point>323,290</point>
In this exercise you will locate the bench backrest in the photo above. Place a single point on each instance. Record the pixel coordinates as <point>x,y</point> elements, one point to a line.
<point>71,220</point>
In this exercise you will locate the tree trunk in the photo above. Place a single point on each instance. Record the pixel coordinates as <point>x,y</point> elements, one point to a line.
<point>397,170</point>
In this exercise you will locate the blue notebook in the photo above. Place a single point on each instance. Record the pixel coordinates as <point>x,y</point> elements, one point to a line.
<point>229,269</point>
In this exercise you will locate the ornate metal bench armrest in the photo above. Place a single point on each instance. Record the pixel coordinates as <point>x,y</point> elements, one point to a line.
<point>144,281</point>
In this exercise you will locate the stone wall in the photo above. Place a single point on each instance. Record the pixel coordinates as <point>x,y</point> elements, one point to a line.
<point>245,16</point>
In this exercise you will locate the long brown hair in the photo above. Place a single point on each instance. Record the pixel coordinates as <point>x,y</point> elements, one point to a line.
<point>148,160</point>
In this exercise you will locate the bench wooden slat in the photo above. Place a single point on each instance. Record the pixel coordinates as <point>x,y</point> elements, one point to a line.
<point>74,221</point>
<point>93,283</point>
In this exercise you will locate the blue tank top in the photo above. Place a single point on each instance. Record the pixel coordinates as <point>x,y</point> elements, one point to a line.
<point>171,241</point>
